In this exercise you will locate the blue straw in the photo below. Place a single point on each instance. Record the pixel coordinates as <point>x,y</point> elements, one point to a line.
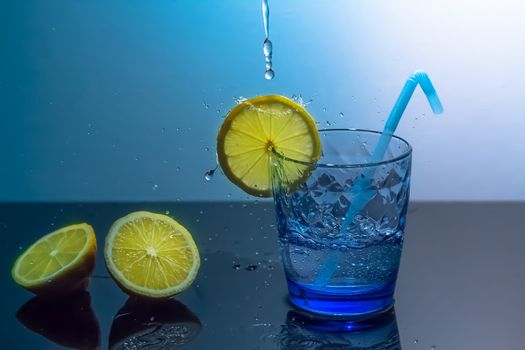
<point>363,196</point>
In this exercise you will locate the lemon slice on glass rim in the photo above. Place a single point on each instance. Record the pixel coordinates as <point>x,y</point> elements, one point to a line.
<point>256,128</point>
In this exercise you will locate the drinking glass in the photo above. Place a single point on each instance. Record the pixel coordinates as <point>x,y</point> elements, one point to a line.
<point>341,224</point>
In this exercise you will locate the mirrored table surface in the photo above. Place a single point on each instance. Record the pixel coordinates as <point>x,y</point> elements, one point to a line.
<point>461,284</point>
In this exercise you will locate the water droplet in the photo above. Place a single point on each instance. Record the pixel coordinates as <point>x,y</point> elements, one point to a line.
<point>251,267</point>
<point>205,105</point>
<point>433,347</point>
<point>341,114</point>
<point>208,176</point>
<point>324,109</point>
<point>416,341</point>
<point>20,247</point>
<point>229,195</point>
<point>167,212</point>
<point>269,74</point>
<point>155,187</point>
<point>328,123</point>
<point>163,130</point>
<point>152,318</point>
<point>236,266</point>
<point>206,149</point>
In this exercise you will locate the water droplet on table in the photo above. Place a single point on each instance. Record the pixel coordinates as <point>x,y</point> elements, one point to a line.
<point>251,267</point>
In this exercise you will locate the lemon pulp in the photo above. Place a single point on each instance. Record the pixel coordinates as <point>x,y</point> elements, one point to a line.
<point>256,128</point>
<point>63,257</point>
<point>151,255</point>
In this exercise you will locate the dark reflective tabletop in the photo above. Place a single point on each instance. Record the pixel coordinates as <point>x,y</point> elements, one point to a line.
<point>460,286</point>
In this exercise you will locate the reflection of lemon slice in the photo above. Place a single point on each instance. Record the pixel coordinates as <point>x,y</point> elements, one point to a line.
<point>151,255</point>
<point>59,262</point>
<point>255,128</point>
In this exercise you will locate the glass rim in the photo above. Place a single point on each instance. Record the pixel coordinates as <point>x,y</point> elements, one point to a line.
<point>404,155</point>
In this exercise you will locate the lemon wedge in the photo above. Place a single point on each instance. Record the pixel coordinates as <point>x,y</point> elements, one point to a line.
<point>151,255</point>
<point>59,262</point>
<point>259,126</point>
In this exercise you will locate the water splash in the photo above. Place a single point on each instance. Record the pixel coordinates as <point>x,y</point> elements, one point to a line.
<point>300,100</point>
<point>267,45</point>
<point>239,99</point>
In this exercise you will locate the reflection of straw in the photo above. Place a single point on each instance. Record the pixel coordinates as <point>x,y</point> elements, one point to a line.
<point>363,194</point>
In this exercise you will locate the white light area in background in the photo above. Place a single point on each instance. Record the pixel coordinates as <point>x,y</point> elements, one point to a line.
<point>474,52</point>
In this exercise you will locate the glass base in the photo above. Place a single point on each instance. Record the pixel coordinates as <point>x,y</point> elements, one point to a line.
<point>382,323</point>
<point>359,305</point>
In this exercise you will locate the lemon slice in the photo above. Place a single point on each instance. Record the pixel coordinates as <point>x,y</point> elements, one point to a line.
<point>59,262</point>
<point>151,255</point>
<point>257,127</point>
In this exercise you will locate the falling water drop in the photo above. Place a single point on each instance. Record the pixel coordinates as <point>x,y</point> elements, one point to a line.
<point>267,45</point>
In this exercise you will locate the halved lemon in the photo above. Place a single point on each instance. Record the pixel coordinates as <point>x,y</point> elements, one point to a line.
<point>256,128</point>
<point>151,255</point>
<point>58,263</point>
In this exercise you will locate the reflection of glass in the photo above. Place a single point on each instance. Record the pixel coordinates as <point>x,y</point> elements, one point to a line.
<point>68,322</point>
<point>167,324</point>
<point>341,230</point>
<point>304,331</point>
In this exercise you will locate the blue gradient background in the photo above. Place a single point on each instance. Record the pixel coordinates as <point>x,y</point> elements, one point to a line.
<point>103,100</point>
